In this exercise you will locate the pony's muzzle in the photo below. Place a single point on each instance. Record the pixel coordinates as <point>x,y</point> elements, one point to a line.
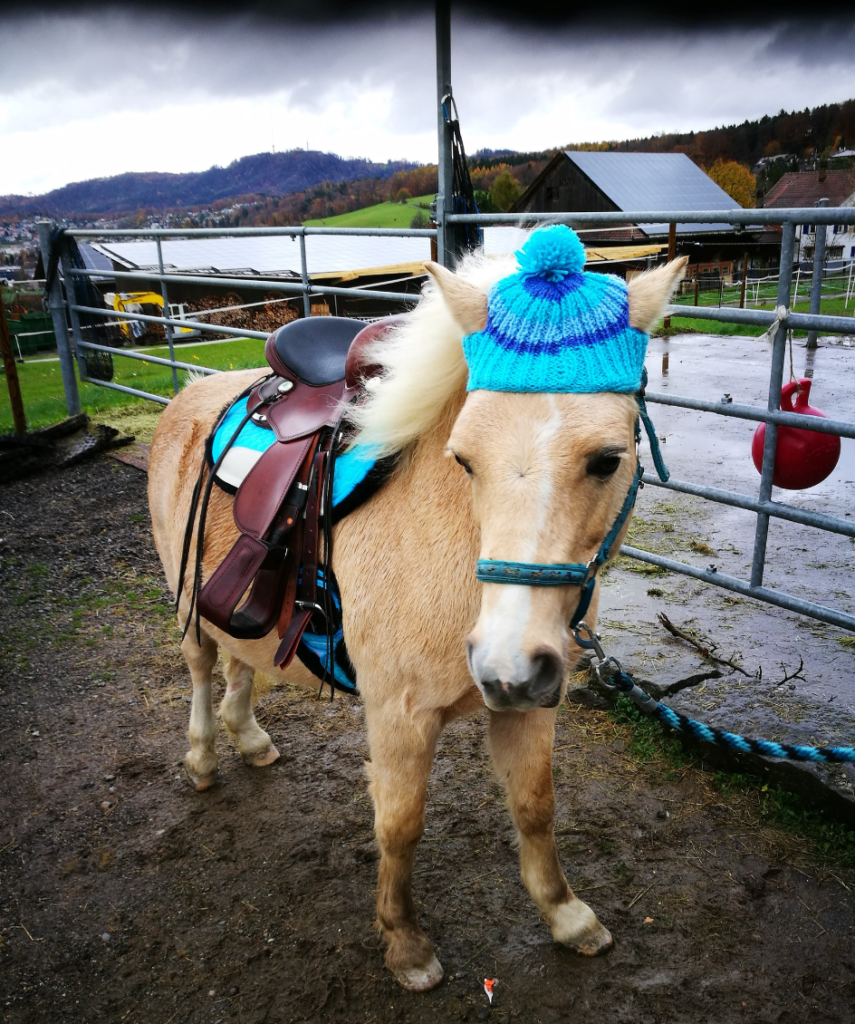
<point>530,682</point>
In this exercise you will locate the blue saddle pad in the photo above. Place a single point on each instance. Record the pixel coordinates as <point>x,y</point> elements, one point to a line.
<point>358,474</point>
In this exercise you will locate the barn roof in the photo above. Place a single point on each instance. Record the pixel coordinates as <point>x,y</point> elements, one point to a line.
<point>803,188</point>
<point>654,181</point>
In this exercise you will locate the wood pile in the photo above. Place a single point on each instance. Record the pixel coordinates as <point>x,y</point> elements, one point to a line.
<point>267,317</point>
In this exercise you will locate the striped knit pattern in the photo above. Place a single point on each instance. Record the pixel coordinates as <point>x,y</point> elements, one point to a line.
<point>551,327</point>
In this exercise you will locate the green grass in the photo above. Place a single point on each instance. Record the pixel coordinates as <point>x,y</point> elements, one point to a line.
<point>774,806</point>
<point>828,307</point>
<point>384,215</point>
<point>44,400</point>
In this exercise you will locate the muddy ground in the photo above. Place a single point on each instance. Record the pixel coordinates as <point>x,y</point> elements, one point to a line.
<point>126,896</point>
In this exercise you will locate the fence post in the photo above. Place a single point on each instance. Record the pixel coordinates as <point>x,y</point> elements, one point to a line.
<point>744,278</point>
<point>166,327</point>
<point>818,267</point>
<point>12,382</point>
<point>444,197</point>
<point>776,376</point>
<point>73,299</point>
<point>672,254</point>
<point>304,276</point>
<point>56,304</point>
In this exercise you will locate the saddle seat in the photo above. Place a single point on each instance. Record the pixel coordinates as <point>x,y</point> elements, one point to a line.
<point>321,350</point>
<point>283,503</point>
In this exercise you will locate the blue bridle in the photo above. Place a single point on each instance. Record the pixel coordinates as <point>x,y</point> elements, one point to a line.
<point>579,574</point>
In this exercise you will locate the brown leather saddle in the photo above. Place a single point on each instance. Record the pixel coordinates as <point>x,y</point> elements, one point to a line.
<point>283,506</point>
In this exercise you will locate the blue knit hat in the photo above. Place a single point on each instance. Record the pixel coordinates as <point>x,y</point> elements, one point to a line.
<point>552,327</point>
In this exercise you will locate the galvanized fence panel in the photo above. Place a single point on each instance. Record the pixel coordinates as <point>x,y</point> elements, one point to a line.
<point>762,505</point>
<point>304,286</point>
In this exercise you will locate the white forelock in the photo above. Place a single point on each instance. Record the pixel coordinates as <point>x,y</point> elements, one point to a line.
<point>424,365</point>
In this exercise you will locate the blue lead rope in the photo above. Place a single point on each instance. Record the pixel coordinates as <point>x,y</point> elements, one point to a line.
<point>617,679</point>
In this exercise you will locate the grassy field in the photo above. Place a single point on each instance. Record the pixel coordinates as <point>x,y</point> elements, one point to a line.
<point>44,401</point>
<point>384,215</point>
<point>829,307</point>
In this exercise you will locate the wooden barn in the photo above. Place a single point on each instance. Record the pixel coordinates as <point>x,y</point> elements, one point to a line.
<point>609,182</point>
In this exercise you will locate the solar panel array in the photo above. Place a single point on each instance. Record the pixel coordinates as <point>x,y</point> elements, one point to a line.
<point>655,181</point>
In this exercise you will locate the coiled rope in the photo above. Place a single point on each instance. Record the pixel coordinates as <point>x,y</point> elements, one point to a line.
<point>612,676</point>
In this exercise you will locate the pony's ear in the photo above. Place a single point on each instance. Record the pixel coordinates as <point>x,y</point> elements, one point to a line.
<point>650,293</point>
<point>466,303</point>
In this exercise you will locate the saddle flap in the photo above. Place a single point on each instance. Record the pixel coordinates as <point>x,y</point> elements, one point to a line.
<point>263,492</point>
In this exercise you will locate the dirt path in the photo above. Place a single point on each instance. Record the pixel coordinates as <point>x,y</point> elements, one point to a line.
<point>125,896</point>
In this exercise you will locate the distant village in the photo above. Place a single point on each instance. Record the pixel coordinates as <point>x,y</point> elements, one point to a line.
<point>592,179</point>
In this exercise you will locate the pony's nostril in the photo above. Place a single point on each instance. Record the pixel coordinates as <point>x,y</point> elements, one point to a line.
<point>548,671</point>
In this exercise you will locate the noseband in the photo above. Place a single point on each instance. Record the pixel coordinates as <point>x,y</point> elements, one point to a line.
<point>580,574</point>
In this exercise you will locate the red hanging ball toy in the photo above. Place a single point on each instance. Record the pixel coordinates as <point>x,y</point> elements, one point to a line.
<point>803,458</point>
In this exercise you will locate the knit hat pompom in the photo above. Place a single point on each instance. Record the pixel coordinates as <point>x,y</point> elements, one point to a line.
<point>552,253</point>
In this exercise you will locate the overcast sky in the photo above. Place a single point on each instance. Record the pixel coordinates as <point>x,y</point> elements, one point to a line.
<point>95,93</point>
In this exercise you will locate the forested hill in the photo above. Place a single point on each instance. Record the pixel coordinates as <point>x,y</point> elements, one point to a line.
<point>800,134</point>
<point>274,174</point>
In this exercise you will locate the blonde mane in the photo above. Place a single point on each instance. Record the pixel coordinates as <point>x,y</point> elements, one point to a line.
<point>423,358</point>
<point>424,365</point>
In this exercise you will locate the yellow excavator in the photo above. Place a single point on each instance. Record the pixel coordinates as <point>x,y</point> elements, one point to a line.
<point>149,304</point>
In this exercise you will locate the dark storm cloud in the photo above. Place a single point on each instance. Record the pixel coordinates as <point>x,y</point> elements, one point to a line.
<point>528,82</point>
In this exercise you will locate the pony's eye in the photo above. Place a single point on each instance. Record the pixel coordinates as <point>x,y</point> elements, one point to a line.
<point>463,463</point>
<point>603,465</point>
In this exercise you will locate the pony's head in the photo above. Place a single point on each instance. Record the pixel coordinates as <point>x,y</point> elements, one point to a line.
<point>546,435</point>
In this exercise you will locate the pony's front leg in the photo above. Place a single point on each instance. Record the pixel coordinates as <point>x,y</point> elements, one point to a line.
<point>201,760</point>
<point>521,747</point>
<point>402,746</point>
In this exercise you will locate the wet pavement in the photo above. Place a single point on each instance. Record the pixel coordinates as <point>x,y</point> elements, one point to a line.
<point>818,705</point>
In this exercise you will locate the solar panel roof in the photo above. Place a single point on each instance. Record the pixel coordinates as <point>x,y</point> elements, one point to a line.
<point>655,181</point>
<point>271,254</point>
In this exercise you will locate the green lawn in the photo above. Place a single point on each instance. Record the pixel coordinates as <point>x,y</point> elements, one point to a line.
<point>44,400</point>
<point>384,215</point>
<point>829,307</point>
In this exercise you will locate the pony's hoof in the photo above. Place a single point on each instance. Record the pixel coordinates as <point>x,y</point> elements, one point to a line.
<point>262,758</point>
<point>200,782</point>
<point>420,979</point>
<point>575,925</point>
<point>597,943</point>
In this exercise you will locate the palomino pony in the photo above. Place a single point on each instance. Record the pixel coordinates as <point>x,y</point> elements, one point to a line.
<point>530,477</point>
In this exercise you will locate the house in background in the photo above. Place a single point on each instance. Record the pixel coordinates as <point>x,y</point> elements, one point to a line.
<point>581,182</point>
<point>804,188</point>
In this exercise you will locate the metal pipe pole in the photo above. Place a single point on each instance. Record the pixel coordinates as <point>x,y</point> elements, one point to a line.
<point>672,254</point>
<point>744,279</point>
<point>818,267</point>
<point>56,304</point>
<point>12,382</point>
<point>776,376</point>
<point>304,273</point>
<point>444,197</point>
<point>72,301</point>
<point>167,327</point>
